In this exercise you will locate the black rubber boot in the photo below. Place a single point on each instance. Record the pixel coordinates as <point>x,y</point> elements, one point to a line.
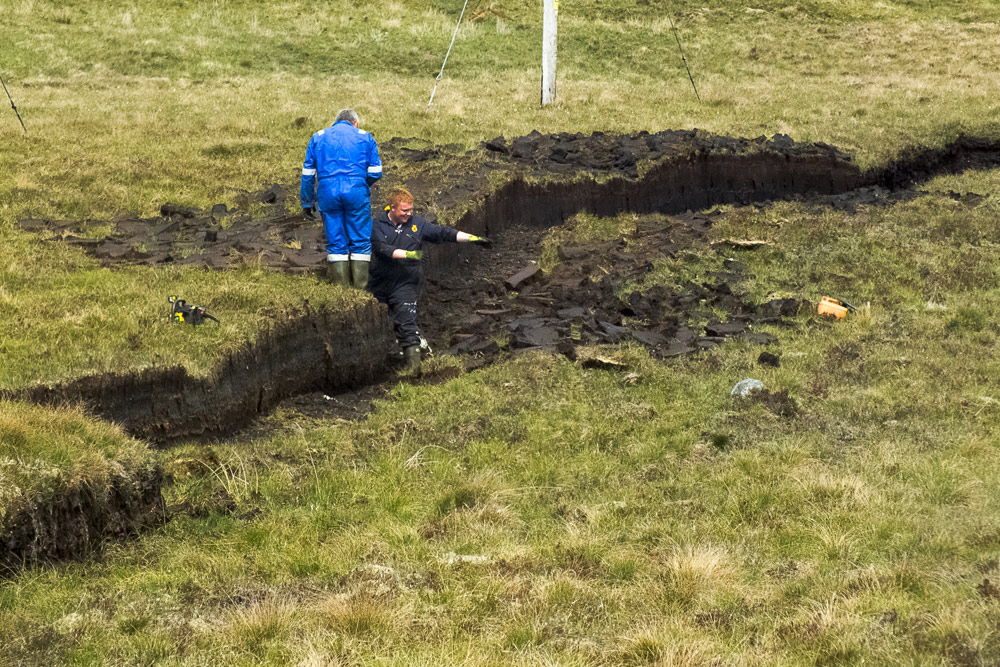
<point>359,274</point>
<point>411,359</point>
<point>338,273</point>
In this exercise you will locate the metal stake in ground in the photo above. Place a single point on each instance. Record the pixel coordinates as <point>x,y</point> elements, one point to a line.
<point>453,36</point>
<point>674,28</point>
<point>12,105</point>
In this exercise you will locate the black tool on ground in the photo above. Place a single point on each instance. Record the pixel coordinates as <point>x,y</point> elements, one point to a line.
<point>847,306</point>
<point>12,105</point>
<point>182,312</point>
<point>674,28</point>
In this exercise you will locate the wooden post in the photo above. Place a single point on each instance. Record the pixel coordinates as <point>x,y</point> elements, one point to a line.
<point>549,14</point>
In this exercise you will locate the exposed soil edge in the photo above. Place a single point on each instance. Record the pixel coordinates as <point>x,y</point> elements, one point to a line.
<point>693,182</point>
<point>347,350</point>
<point>701,180</point>
<point>308,349</point>
<point>920,164</point>
<point>75,520</point>
<point>341,351</point>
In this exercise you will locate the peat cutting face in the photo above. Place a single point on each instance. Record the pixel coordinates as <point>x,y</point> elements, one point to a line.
<point>481,303</point>
<point>545,179</point>
<point>477,303</point>
<point>260,229</point>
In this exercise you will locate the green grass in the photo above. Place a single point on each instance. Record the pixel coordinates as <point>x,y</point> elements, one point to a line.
<point>106,89</point>
<point>585,517</point>
<point>533,512</point>
<point>86,320</point>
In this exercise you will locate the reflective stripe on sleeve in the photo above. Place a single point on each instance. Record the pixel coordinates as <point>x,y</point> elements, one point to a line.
<point>308,172</point>
<point>375,170</point>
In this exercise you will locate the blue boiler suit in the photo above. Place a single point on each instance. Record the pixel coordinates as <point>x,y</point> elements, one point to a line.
<point>396,282</point>
<point>341,164</point>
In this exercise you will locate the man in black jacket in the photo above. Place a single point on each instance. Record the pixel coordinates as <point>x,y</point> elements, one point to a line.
<point>394,279</point>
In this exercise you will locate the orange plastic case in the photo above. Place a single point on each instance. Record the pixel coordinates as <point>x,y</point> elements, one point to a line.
<point>828,306</point>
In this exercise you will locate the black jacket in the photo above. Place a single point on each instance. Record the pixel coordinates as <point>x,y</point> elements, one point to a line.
<point>386,273</point>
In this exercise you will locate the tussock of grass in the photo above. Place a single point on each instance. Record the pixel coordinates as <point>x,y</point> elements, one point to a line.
<point>43,451</point>
<point>362,616</point>
<point>254,627</point>
<point>66,483</point>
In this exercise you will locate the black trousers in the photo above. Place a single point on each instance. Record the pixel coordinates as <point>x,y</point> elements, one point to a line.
<point>402,303</point>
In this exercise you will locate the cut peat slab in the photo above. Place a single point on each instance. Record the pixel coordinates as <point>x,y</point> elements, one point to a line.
<point>522,278</point>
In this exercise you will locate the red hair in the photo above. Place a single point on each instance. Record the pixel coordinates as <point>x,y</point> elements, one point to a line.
<point>400,195</point>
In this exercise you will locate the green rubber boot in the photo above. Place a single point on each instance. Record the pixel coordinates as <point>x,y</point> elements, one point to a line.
<point>359,274</point>
<point>338,273</point>
<point>411,359</point>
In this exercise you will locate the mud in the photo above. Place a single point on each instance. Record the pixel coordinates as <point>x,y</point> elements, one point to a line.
<point>513,192</point>
<point>622,155</point>
<point>76,520</point>
<point>579,302</point>
<point>921,164</point>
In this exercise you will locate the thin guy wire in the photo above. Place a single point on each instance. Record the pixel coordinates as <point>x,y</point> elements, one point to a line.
<point>453,36</point>
<point>12,105</point>
<point>674,28</point>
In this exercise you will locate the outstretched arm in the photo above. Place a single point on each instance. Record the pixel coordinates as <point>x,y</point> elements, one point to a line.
<point>464,237</point>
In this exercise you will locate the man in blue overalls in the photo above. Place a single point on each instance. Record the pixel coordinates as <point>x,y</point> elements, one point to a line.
<point>397,238</point>
<point>344,161</point>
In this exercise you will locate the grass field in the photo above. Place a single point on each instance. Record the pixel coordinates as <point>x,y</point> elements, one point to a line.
<point>533,512</point>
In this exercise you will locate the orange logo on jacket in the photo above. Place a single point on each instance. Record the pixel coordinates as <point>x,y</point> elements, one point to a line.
<point>414,228</point>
